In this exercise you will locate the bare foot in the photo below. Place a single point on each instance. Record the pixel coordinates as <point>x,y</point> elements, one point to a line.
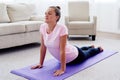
<point>101,49</point>
<point>92,46</point>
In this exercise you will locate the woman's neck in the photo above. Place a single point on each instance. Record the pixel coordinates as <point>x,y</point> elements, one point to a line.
<point>51,27</point>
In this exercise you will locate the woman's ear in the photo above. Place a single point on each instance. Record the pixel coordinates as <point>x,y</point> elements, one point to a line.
<point>57,18</point>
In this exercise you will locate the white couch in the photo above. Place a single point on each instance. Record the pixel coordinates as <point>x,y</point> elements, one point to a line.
<point>18,25</point>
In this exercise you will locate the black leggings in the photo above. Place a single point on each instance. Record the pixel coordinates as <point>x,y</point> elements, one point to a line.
<point>85,53</point>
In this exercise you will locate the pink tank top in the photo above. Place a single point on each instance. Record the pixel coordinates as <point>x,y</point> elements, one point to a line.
<point>52,42</point>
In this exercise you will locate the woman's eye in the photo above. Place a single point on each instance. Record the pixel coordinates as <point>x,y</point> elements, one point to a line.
<point>49,13</point>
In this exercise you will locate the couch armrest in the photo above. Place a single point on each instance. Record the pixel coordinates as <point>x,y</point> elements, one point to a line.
<point>93,19</point>
<point>36,18</point>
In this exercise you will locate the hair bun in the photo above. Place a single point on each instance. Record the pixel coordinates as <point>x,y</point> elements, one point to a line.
<point>58,7</point>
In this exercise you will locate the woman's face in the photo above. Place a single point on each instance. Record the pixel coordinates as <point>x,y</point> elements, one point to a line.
<point>50,16</point>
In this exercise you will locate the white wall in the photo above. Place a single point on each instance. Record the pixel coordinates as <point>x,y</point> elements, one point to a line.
<point>108,13</point>
<point>108,16</point>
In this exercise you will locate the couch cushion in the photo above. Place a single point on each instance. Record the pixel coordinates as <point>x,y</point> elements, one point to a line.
<point>3,13</point>
<point>11,28</point>
<point>80,25</point>
<point>19,12</point>
<point>31,25</point>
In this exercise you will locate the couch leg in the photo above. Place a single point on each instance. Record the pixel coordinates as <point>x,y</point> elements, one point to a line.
<point>93,37</point>
<point>90,35</point>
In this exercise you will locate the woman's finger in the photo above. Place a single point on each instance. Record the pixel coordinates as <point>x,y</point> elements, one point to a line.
<point>34,67</point>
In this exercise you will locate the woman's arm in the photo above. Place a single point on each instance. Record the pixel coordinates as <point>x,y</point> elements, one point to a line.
<point>42,51</point>
<point>63,40</point>
<point>42,54</point>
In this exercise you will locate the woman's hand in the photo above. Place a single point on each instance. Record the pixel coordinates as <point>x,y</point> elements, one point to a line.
<point>59,72</point>
<point>36,66</point>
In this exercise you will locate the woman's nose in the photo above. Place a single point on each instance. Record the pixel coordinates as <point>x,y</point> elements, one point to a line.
<point>46,15</point>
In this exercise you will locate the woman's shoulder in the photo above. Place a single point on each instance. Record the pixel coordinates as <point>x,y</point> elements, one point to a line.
<point>43,27</point>
<point>43,24</point>
<point>62,28</point>
<point>61,25</point>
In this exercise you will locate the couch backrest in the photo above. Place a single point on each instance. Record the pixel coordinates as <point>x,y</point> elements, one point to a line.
<point>3,13</point>
<point>20,11</point>
<point>78,10</point>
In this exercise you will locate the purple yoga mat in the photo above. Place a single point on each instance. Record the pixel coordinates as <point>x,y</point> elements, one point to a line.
<point>46,73</point>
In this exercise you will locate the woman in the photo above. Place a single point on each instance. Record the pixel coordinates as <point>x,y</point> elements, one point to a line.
<point>54,38</point>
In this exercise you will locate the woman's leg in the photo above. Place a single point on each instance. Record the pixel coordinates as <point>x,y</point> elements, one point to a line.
<point>85,54</point>
<point>87,47</point>
<point>92,52</point>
